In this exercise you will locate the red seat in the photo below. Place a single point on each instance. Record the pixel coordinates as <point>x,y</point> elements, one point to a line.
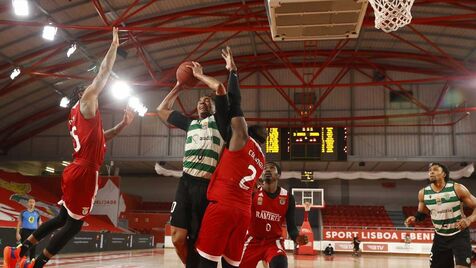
<point>356,215</point>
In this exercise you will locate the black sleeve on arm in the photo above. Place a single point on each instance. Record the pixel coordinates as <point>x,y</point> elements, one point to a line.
<point>290,218</point>
<point>222,116</point>
<point>179,120</point>
<point>235,95</point>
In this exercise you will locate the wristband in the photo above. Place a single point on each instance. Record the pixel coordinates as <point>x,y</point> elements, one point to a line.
<point>420,216</point>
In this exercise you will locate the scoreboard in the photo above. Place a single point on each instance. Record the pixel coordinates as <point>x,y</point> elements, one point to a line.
<point>307,143</point>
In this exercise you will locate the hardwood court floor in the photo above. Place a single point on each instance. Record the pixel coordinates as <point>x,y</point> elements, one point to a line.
<point>167,258</point>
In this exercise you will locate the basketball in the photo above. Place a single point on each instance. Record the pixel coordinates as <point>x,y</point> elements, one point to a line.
<point>185,74</point>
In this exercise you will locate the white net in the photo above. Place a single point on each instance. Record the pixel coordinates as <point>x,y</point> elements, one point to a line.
<point>307,206</point>
<point>392,14</point>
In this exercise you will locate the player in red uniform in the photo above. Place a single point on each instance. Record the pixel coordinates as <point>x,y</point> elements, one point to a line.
<point>80,179</point>
<point>271,207</point>
<point>227,216</point>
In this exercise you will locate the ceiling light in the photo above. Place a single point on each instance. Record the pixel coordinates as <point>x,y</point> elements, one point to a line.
<point>71,50</point>
<point>134,102</point>
<point>49,32</point>
<point>137,106</point>
<point>15,73</point>
<point>64,102</point>
<point>20,7</point>
<point>50,169</point>
<point>92,68</point>
<point>65,163</point>
<point>121,90</point>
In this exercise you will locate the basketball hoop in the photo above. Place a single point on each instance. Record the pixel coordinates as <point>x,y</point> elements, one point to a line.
<point>392,14</point>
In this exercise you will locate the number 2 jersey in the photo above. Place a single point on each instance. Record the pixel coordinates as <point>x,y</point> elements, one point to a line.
<point>233,181</point>
<point>89,143</point>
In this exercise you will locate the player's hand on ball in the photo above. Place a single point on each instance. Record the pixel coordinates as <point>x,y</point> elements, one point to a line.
<point>463,224</point>
<point>228,57</point>
<point>196,68</point>
<point>410,221</point>
<point>302,239</point>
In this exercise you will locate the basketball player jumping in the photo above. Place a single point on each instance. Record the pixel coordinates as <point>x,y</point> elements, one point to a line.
<point>80,179</point>
<point>204,143</point>
<point>228,215</point>
<point>271,207</point>
<point>442,199</point>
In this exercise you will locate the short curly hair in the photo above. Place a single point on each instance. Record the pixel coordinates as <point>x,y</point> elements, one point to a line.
<point>444,168</point>
<point>278,168</point>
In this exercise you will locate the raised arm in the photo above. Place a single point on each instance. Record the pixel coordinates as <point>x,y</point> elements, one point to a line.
<point>89,99</point>
<point>233,90</point>
<point>165,107</point>
<point>239,127</point>
<point>167,115</point>
<point>126,120</point>
<point>422,210</point>
<point>211,82</point>
<point>222,116</point>
<point>470,201</point>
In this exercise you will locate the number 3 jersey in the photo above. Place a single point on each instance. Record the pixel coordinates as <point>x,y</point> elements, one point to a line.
<point>233,181</point>
<point>88,136</point>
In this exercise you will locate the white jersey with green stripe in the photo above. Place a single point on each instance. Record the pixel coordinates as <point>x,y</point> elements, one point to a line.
<point>203,147</point>
<point>445,209</point>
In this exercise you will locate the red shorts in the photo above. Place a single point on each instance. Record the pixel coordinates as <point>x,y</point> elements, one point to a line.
<point>223,233</point>
<point>79,185</point>
<point>257,250</point>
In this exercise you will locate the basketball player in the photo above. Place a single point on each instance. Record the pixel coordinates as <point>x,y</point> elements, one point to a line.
<point>442,199</point>
<point>228,215</point>
<point>28,221</point>
<point>204,143</point>
<point>79,181</point>
<point>271,207</point>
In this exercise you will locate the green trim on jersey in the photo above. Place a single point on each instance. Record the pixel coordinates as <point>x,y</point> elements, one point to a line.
<point>207,153</point>
<point>203,147</point>
<point>434,201</point>
<point>445,208</point>
<point>199,166</point>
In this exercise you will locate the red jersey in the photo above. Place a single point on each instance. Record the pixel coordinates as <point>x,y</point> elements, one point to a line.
<point>89,143</point>
<point>268,214</point>
<point>233,181</point>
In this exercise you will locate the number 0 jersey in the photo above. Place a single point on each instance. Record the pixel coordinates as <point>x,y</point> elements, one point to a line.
<point>89,143</point>
<point>233,181</point>
<point>268,214</point>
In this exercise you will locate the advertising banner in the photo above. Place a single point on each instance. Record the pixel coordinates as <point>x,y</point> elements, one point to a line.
<point>108,201</point>
<point>87,241</point>
<point>376,235</point>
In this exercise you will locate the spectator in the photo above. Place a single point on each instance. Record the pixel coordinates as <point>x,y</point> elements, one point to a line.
<point>356,243</point>
<point>329,251</point>
<point>407,241</point>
